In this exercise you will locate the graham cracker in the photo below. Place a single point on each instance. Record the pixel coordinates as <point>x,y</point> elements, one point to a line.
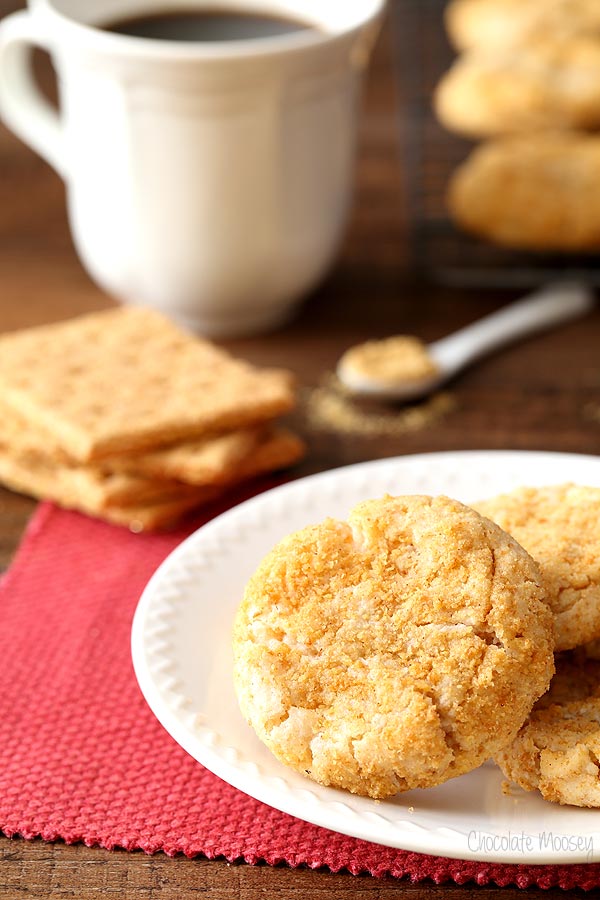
<point>21,437</point>
<point>102,486</point>
<point>221,459</point>
<point>53,482</point>
<point>216,460</point>
<point>276,450</point>
<point>126,379</point>
<point>91,491</point>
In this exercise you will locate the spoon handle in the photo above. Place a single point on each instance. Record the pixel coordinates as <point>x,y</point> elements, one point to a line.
<point>556,303</point>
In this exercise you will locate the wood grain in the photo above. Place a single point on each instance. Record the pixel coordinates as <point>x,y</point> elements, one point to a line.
<point>34,869</point>
<point>541,395</point>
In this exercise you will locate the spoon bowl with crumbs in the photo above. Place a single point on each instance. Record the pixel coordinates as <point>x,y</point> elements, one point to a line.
<point>404,368</point>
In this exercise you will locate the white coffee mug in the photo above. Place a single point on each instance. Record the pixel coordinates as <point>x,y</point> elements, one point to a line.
<point>210,181</point>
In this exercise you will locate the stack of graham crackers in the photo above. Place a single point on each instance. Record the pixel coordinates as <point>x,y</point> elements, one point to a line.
<point>121,415</point>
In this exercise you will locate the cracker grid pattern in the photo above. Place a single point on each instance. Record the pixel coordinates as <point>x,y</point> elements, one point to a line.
<point>127,379</point>
<point>120,414</point>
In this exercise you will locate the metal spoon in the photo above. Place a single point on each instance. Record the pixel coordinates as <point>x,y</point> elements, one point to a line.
<point>557,303</point>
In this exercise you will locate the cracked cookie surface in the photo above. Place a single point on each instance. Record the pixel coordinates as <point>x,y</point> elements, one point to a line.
<point>557,751</point>
<point>558,526</point>
<point>395,650</point>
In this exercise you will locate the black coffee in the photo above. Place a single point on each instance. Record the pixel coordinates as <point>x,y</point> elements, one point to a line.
<point>206,25</point>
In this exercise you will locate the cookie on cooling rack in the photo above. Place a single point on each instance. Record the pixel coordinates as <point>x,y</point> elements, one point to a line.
<point>395,650</point>
<point>536,192</point>
<point>545,84</point>
<point>495,24</point>
<point>558,526</point>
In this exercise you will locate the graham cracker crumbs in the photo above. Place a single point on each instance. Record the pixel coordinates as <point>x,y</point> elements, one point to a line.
<point>506,788</point>
<point>331,407</point>
<point>398,358</point>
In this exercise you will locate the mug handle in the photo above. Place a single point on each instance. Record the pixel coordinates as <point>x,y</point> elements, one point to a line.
<point>22,105</point>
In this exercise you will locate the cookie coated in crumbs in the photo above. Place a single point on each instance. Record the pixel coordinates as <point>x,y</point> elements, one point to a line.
<point>522,89</point>
<point>558,526</point>
<point>539,191</point>
<point>395,650</point>
<point>557,751</point>
<point>497,24</point>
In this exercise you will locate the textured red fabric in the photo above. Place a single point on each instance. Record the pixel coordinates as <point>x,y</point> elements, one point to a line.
<point>83,759</point>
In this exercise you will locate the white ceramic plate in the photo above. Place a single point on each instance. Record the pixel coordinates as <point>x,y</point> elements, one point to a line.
<point>182,658</point>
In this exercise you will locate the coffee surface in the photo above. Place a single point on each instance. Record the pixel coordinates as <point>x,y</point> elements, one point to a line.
<point>206,25</point>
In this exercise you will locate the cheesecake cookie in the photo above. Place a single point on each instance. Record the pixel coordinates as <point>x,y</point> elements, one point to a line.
<point>495,24</point>
<point>540,192</point>
<point>546,84</point>
<point>394,650</point>
<point>557,751</point>
<point>558,526</point>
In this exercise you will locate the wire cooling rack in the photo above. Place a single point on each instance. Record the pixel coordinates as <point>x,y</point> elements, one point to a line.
<point>439,250</point>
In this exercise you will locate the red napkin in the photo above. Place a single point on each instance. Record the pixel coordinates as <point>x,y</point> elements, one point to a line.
<point>82,758</point>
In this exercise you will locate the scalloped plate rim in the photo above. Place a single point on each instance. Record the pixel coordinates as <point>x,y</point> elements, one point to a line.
<point>331,808</point>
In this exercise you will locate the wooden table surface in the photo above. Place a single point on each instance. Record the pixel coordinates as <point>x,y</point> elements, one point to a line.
<point>543,394</point>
